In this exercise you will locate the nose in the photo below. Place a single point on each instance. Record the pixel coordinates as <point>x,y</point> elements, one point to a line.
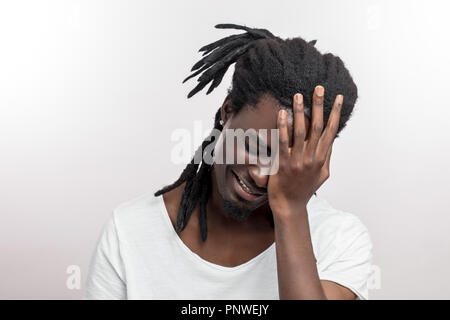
<point>257,174</point>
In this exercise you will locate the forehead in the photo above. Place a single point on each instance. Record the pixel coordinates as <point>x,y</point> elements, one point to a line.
<point>263,115</point>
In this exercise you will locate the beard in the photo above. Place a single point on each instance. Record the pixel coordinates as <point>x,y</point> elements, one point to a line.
<point>235,211</point>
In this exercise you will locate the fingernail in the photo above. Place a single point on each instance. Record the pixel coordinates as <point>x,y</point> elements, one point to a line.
<point>299,98</point>
<point>283,114</point>
<point>319,91</point>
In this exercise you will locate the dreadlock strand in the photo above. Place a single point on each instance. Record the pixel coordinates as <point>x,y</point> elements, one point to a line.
<point>225,62</point>
<point>197,184</point>
<point>187,174</point>
<point>203,202</point>
<point>210,47</point>
<point>217,80</point>
<point>185,197</point>
<point>196,73</point>
<point>221,52</point>
<point>259,33</point>
<point>194,186</point>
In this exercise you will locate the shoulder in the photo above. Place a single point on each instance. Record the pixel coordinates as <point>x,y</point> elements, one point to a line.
<point>322,215</point>
<point>140,217</point>
<point>342,247</point>
<point>335,231</point>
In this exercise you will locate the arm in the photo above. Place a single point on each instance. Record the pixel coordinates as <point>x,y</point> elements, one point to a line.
<point>302,170</point>
<point>297,272</point>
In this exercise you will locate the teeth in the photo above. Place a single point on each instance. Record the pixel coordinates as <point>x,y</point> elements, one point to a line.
<point>244,186</point>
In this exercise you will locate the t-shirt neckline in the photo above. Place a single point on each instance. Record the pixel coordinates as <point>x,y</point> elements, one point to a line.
<point>195,256</point>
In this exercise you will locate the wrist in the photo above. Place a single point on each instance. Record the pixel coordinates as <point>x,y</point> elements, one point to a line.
<point>289,210</point>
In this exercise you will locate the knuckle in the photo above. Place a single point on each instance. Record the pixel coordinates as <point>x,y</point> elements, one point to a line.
<point>284,140</point>
<point>284,168</point>
<point>296,165</point>
<point>318,101</point>
<point>321,160</point>
<point>298,108</point>
<point>317,127</point>
<point>309,162</point>
<point>298,133</point>
<point>333,127</point>
<point>337,109</point>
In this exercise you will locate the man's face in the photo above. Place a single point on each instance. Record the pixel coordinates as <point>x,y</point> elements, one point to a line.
<point>243,187</point>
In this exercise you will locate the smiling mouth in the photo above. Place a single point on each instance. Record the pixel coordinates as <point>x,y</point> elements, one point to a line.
<point>246,191</point>
<point>244,186</point>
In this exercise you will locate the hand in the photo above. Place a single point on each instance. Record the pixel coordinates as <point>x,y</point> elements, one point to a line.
<point>303,168</point>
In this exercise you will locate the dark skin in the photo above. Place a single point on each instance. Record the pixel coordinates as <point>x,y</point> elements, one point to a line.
<point>304,159</point>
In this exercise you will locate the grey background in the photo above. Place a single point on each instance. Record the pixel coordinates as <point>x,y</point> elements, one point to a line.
<point>90,93</point>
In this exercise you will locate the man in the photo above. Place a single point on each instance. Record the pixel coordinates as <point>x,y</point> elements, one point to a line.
<point>228,230</point>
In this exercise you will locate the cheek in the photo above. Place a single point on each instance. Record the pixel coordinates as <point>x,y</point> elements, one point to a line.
<point>223,180</point>
<point>228,152</point>
<point>219,170</point>
<point>219,152</point>
<point>241,154</point>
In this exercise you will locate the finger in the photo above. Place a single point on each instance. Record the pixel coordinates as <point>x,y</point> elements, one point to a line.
<point>332,127</point>
<point>325,170</point>
<point>299,127</point>
<point>283,139</point>
<point>315,130</point>
<point>327,161</point>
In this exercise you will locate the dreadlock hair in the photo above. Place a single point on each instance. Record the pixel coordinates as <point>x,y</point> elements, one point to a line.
<point>265,64</point>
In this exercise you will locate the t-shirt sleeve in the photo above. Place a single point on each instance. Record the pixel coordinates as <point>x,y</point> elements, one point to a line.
<point>351,263</point>
<point>106,276</point>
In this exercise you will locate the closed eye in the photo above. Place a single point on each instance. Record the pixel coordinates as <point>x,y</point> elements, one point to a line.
<point>257,145</point>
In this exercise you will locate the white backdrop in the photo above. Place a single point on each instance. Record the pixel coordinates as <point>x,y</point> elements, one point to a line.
<point>90,93</point>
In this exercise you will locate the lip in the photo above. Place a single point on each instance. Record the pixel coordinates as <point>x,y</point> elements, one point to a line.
<point>241,191</point>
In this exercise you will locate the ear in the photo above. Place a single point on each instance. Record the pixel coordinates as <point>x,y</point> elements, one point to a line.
<point>226,110</point>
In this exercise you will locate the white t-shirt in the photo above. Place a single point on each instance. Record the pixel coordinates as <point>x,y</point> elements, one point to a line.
<point>140,256</point>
